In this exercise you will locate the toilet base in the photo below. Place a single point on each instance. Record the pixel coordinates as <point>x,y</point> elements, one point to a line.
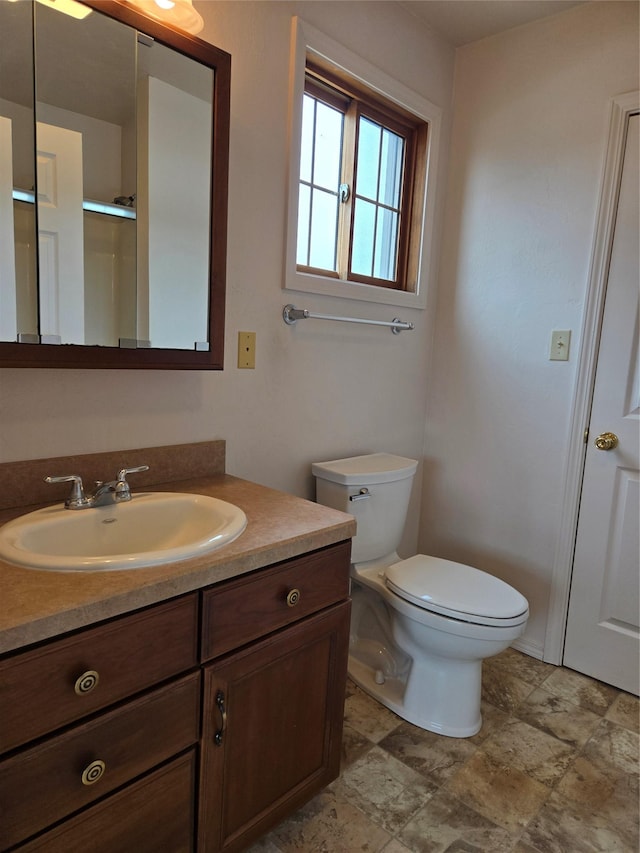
<point>429,677</point>
<point>392,693</point>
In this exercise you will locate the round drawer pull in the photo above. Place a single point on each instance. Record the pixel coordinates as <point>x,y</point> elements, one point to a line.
<point>86,682</point>
<point>93,772</point>
<point>293,597</point>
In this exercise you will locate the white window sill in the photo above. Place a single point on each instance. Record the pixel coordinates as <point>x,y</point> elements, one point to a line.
<point>308,283</point>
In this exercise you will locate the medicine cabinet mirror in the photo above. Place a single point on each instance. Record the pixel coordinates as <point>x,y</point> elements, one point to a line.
<point>114,147</point>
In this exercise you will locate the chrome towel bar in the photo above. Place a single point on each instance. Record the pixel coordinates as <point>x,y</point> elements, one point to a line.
<point>291,314</point>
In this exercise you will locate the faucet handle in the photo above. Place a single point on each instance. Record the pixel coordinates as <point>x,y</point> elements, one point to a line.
<point>124,472</point>
<point>123,493</point>
<point>76,499</point>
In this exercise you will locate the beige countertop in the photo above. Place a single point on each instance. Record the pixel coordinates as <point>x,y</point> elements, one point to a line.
<point>38,605</point>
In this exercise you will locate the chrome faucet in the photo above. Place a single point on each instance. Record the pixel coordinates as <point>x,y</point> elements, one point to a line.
<point>115,491</point>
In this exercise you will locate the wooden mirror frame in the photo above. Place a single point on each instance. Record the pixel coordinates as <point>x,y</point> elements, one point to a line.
<point>83,356</point>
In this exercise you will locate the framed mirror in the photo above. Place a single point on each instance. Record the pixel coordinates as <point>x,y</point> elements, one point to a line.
<point>113,190</point>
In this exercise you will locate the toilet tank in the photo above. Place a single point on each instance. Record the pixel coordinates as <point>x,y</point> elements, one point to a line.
<point>374,488</point>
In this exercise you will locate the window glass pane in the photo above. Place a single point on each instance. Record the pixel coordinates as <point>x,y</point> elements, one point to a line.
<point>384,265</point>
<point>304,217</point>
<point>324,224</point>
<point>306,139</point>
<point>391,168</point>
<point>328,147</point>
<point>363,237</point>
<point>368,158</point>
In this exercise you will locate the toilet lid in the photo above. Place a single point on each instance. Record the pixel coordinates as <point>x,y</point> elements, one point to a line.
<point>455,590</point>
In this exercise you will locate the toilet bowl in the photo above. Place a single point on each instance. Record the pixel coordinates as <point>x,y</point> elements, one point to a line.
<point>420,627</point>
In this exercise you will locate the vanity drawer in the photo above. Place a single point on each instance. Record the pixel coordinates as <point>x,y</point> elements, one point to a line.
<point>62,681</point>
<point>41,785</point>
<point>154,814</point>
<point>239,611</point>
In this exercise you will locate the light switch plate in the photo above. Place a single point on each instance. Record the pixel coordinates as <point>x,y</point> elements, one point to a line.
<point>560,341</point>
<point>247,350</point>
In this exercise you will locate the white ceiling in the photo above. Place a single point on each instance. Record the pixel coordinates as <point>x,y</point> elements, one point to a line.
<point>464,21</point>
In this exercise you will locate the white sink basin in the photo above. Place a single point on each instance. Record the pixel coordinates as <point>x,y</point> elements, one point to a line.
<point>150,529</point>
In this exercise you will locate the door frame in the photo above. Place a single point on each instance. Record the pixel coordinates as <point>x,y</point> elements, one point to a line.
<point>621,108</point>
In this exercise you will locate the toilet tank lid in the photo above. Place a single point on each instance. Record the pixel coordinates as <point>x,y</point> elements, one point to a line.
<point>365,470</point>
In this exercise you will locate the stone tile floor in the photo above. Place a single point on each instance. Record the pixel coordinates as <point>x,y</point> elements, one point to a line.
<point>554,769</point>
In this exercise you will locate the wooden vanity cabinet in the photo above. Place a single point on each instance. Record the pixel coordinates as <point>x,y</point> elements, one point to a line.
<point>124,737</point>
<point>98,717</point>
<point>273,706</point>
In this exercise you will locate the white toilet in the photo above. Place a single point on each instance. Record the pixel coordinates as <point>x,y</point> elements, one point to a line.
<point>421,627</point>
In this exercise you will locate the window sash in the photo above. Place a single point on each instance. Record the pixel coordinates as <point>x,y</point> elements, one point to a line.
<point>386,270</point>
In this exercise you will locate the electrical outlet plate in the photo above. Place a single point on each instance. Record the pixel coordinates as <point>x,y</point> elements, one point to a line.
<point>247,350</point>
<point>560,341</point>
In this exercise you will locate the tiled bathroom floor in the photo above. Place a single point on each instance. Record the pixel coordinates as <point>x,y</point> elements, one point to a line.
<point>554,769</point>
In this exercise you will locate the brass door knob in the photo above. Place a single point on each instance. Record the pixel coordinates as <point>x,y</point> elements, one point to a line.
<point>606,441</point>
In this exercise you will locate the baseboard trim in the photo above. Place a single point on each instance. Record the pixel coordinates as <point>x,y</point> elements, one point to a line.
<point>534,650</point>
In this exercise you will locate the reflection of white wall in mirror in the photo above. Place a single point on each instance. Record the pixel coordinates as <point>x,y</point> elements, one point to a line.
<point>127,237</point>
<point>109,275</point>
<point>26,269</point>
<point>22,133</point>
<point>26,278</point>
<point>101,279</point>
<point>60,233</point>
<point>174,173</point>
<point>8,304</point>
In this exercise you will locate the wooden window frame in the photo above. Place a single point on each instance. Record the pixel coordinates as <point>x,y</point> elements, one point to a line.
<point>355,101</point>
<point>311,45</point>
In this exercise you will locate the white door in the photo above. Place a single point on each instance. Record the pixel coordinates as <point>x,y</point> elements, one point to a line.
<point>603,634</point>
<point>60,234</point>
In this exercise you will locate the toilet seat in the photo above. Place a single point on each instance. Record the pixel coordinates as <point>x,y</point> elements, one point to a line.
<point>458,591</point>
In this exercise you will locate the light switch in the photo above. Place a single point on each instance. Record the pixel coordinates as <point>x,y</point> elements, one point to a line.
<point>560,341</point>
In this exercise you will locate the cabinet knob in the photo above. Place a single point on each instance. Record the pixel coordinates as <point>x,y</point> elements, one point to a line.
<point>293,597</point>
<point>93,772</point>
<point>86,682</point>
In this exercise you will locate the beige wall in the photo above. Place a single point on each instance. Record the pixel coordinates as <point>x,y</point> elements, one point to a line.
<point>319,390</point>
<point>528,144</point>
<point>527,151</point>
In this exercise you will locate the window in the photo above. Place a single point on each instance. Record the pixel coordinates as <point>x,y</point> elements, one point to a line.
<point>362,168</point>
<point>356,184</point>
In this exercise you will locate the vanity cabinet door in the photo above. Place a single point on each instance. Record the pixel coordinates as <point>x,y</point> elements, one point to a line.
<point>272,728</point>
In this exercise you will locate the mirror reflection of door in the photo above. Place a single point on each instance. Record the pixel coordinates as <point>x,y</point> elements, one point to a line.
<point>18,271</point>
<point>60,235</point>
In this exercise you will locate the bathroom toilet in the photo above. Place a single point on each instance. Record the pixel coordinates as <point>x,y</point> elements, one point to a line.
<point>420,627</point>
